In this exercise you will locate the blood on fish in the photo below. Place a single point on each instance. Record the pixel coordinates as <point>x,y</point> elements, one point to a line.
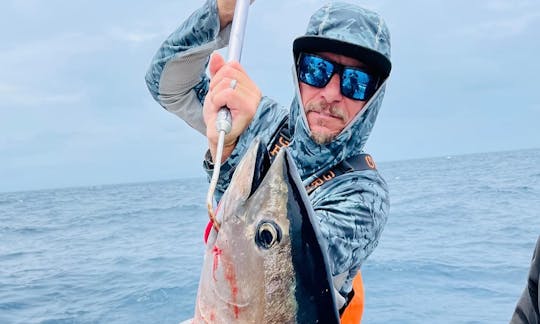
<point>217,253</point>
<point>230,276</point>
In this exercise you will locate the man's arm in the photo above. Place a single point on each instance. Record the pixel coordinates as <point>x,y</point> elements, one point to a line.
<point>176,77</point>
<point>178,81</point>
<point>527,306</point>
<point>353,209</point>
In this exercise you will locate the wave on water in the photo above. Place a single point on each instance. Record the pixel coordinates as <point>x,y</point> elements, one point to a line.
<point>456,248</point>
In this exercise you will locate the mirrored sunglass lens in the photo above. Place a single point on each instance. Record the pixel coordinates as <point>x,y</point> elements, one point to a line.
<point>315,71</point>
<point>355,84</point>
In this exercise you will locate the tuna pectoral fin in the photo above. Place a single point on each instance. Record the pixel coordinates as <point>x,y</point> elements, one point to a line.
<point>314,288</point>
<point>189,321</point>
<point>338,282</point>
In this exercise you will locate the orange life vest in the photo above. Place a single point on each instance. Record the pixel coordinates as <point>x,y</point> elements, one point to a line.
<point>353,312</point>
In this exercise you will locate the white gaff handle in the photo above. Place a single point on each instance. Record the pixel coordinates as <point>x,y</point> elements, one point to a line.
<point>224,120</point>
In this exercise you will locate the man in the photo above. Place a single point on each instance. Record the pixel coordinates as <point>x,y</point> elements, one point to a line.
<point>342,64</point>
<point>527,308</point>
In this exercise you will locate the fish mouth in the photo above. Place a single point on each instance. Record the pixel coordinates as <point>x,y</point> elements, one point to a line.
<point>229,302</point>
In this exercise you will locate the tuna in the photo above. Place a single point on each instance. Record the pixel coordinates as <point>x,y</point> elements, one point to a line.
<point>266,263</point>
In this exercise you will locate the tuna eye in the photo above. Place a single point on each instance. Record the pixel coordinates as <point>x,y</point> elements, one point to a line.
<point>268,234</point>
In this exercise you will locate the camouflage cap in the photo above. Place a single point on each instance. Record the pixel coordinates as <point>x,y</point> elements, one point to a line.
<point>349,30</point>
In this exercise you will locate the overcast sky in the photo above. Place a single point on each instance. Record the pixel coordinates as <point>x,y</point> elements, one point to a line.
<point>74,108</point>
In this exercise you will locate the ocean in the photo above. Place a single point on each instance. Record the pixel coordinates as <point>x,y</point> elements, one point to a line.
<point>456,248</point>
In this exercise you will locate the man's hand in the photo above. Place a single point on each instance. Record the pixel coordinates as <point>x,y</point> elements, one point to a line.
<point>226,11</point>
<point>242,101</point>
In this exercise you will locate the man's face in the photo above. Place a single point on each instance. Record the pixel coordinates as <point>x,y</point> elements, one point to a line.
<point>327,110</point>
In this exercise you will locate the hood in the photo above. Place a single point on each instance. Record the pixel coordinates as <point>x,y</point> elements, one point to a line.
<point>352,31</point>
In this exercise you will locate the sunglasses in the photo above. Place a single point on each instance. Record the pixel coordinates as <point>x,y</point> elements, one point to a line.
<point>317,71</point>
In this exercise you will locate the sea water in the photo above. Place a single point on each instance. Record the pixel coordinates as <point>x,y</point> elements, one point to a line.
<point>456,248</point>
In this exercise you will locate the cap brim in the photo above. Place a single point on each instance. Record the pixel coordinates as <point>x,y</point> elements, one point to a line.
<point>371,58</point>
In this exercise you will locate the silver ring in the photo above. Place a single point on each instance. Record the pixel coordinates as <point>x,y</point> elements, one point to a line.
<point>233,83</point>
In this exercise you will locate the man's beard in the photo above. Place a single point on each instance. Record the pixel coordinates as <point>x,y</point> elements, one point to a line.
<point>334,110</point>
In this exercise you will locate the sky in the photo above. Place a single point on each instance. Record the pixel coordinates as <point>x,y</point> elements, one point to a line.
<point>75,111</point>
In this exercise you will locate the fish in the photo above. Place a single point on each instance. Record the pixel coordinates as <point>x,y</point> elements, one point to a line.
<point>266,263</point>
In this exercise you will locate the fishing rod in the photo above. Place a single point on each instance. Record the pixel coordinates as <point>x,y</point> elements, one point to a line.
<point>224,118</point>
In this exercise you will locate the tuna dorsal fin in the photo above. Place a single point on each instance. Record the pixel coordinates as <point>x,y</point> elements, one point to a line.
<point>249,173</point>
<point>262,164</point>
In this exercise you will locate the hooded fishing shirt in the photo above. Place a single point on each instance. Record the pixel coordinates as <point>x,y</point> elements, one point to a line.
<point>352,208</point>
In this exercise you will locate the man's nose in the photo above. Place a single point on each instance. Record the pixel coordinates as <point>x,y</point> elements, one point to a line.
<point>332,91</point>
